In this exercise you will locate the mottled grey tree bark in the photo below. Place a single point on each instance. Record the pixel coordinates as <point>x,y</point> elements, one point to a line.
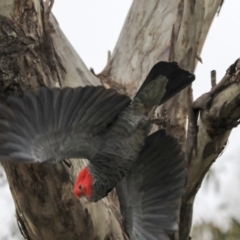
<point>35,52</point>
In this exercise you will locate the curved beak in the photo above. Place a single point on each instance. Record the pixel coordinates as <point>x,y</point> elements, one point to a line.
<point>84,200</point>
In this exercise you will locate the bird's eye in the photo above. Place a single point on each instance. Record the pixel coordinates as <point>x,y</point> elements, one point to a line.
<point>80,187</point>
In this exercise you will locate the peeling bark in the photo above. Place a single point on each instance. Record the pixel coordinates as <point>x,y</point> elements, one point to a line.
<point>35,52</point>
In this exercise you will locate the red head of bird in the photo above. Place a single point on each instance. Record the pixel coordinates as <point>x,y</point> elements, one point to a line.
<point>83,185</point>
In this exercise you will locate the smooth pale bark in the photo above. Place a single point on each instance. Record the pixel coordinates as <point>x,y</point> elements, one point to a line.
<point>154,30</point>
<point>171,31</point>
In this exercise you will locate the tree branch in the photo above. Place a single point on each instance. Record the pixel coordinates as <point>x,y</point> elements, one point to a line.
<point>35,52</point>
<point>217,118</point>
<point>219,114</point>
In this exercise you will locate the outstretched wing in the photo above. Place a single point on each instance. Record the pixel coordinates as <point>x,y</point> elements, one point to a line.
<point>150,195</point>
<point>57,123</point>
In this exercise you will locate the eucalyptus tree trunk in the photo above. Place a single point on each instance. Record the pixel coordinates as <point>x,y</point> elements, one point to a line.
<point>34,52</point>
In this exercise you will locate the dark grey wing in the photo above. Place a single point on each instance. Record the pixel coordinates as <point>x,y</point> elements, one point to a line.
<point>150,194</point>
<point>57,123</point>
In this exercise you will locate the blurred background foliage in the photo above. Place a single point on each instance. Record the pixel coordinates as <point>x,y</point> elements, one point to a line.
<point>207,231</point>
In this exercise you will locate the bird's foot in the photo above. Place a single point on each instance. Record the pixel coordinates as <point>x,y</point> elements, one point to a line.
<point>161,120</point>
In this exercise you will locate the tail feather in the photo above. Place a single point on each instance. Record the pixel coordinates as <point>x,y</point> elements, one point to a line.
<point>163,81</point>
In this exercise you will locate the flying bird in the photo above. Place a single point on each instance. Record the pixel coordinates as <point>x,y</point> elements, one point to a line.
<point>105,127</point>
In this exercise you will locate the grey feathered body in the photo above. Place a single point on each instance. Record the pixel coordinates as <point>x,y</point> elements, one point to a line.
<point>121,143</point>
